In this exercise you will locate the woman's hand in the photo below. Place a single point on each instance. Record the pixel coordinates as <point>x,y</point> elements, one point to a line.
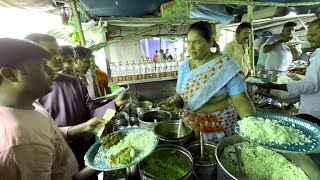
<point>172,102</point>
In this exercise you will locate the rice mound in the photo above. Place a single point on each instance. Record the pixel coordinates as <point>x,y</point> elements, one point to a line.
<point>260,163</point>
<point>142,142</point>
<point>266,130</point>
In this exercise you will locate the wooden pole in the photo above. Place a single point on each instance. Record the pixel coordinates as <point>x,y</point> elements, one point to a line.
<point>253,3</point>
<point>251,38</point>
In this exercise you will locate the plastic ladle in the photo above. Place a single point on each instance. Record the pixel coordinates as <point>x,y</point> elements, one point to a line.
<point>181,128</point>
<point>202,148</point>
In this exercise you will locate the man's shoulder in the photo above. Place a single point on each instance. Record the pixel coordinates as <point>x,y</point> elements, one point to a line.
<point>17,133</point>
<point>231,45</point>
<point>67,80</point>
<point>100,72</point>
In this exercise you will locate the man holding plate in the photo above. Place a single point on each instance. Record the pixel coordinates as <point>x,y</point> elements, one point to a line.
<point>309,87</point>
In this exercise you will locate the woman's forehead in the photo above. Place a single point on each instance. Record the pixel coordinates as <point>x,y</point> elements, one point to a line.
<point>194,35</point>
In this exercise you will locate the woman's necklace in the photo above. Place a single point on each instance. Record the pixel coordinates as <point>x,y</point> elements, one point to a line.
<point>206,59</point>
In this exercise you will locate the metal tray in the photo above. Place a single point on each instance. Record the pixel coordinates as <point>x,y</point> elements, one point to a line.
<point>91,154</point>
<point>308,128</point>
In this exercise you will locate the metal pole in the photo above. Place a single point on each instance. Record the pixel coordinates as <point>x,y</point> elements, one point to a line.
<point>251,38</point>
<point>84,12</point>
<point>78,22</point>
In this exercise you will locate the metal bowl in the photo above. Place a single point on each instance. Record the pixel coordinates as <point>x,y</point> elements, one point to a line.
<point>167,132</point>
<point>150,118</point>
<point>172,155</point>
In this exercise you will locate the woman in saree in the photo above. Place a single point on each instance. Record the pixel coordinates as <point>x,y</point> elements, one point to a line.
<point>210,87</point>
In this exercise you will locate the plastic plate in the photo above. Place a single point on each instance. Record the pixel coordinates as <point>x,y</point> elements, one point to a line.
<point>308,128</point>
<point>102,164</point>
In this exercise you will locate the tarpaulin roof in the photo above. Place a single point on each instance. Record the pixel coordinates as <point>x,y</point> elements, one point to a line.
<point>221,12</point>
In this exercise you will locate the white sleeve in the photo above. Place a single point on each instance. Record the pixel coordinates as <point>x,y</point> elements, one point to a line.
<point>270,40</point>
<point>310,83</point>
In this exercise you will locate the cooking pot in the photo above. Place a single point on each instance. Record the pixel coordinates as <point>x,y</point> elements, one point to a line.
<point>150,118</point>
<point>299,159</point>
<point>203,170</point>
<point>167,132</point>
<point>169,155</point>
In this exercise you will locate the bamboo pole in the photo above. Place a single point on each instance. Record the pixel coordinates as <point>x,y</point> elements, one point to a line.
<point>251,38</point>
<point>253,3</point>
<point>78,22</point>
<point>83,43</point>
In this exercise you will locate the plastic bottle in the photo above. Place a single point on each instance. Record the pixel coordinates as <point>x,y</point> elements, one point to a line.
<point>136,71</point>
<point>129,70</point>
<point>114,72</point>
<point>142,70</point>
<point>158,69</point>
<point>122,72</point>
<point>149,70</point>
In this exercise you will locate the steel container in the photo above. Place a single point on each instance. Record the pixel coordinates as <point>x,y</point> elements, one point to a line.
<point>172,154</point>
<point>151,118</point>
<point>167,132</point>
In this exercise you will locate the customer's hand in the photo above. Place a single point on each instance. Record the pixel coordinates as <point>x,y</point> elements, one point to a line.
<point>172,103</point>
<point>123,98</point>
<point>91,124</point>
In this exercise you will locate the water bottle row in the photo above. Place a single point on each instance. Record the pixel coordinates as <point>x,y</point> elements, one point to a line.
<point>143,70</point>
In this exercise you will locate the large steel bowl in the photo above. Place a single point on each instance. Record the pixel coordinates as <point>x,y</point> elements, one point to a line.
<point>150,118</point>
<point>299,159</point>
<point>173,155</point>
<point>167,132</point>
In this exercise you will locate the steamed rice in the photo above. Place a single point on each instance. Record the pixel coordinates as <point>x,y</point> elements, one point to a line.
<point>266,130</point>
<point>142,142</point>
<point>260,163</point>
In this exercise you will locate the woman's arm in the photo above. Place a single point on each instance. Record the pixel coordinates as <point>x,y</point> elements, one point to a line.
<point>243,105</point>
